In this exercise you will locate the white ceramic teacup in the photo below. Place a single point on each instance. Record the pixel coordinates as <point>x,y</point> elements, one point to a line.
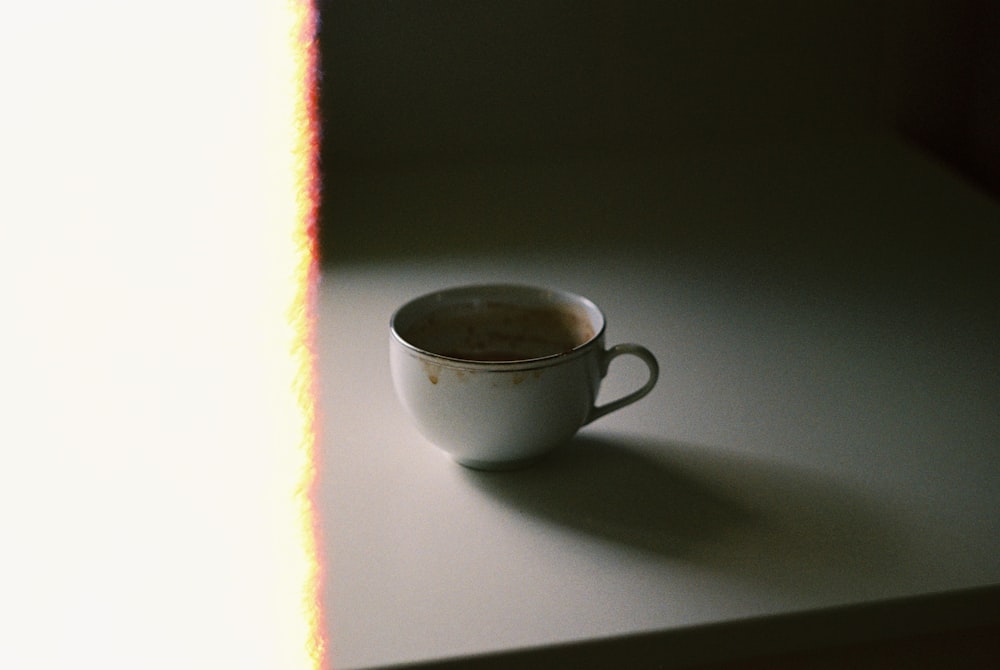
<point>498,375</point>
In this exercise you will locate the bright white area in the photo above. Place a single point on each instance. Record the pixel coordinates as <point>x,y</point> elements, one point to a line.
<point>150,435</point>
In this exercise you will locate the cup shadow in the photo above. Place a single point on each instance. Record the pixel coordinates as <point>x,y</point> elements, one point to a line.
<point>721,510</point>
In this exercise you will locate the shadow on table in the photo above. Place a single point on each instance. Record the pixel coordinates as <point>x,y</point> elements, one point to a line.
<point>720,510</point>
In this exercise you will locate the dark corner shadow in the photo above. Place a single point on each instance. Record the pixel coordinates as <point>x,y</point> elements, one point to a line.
<point>720,510</point>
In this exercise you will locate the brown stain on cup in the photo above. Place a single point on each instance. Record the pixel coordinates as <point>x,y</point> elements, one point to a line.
<point>433,372</point>
<point>521,377</point>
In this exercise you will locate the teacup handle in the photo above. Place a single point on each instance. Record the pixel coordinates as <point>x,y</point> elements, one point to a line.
<point>609,355</point>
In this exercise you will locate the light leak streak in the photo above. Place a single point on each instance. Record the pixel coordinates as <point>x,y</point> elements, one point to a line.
<point>307,194</point>
<point>157,266</point>
<point>303,194</point>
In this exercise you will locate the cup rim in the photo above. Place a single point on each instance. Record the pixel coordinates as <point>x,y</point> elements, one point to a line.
<point>499,288</point>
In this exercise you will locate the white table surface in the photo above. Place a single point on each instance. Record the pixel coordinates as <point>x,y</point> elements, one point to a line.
<point>825,430</point>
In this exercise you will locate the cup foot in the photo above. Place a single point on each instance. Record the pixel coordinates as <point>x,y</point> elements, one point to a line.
<point>497,466</point>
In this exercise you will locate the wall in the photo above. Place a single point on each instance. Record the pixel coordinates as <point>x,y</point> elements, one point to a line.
<point>450,82</point>
<point>942,75</point>
<point>444,77</point>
